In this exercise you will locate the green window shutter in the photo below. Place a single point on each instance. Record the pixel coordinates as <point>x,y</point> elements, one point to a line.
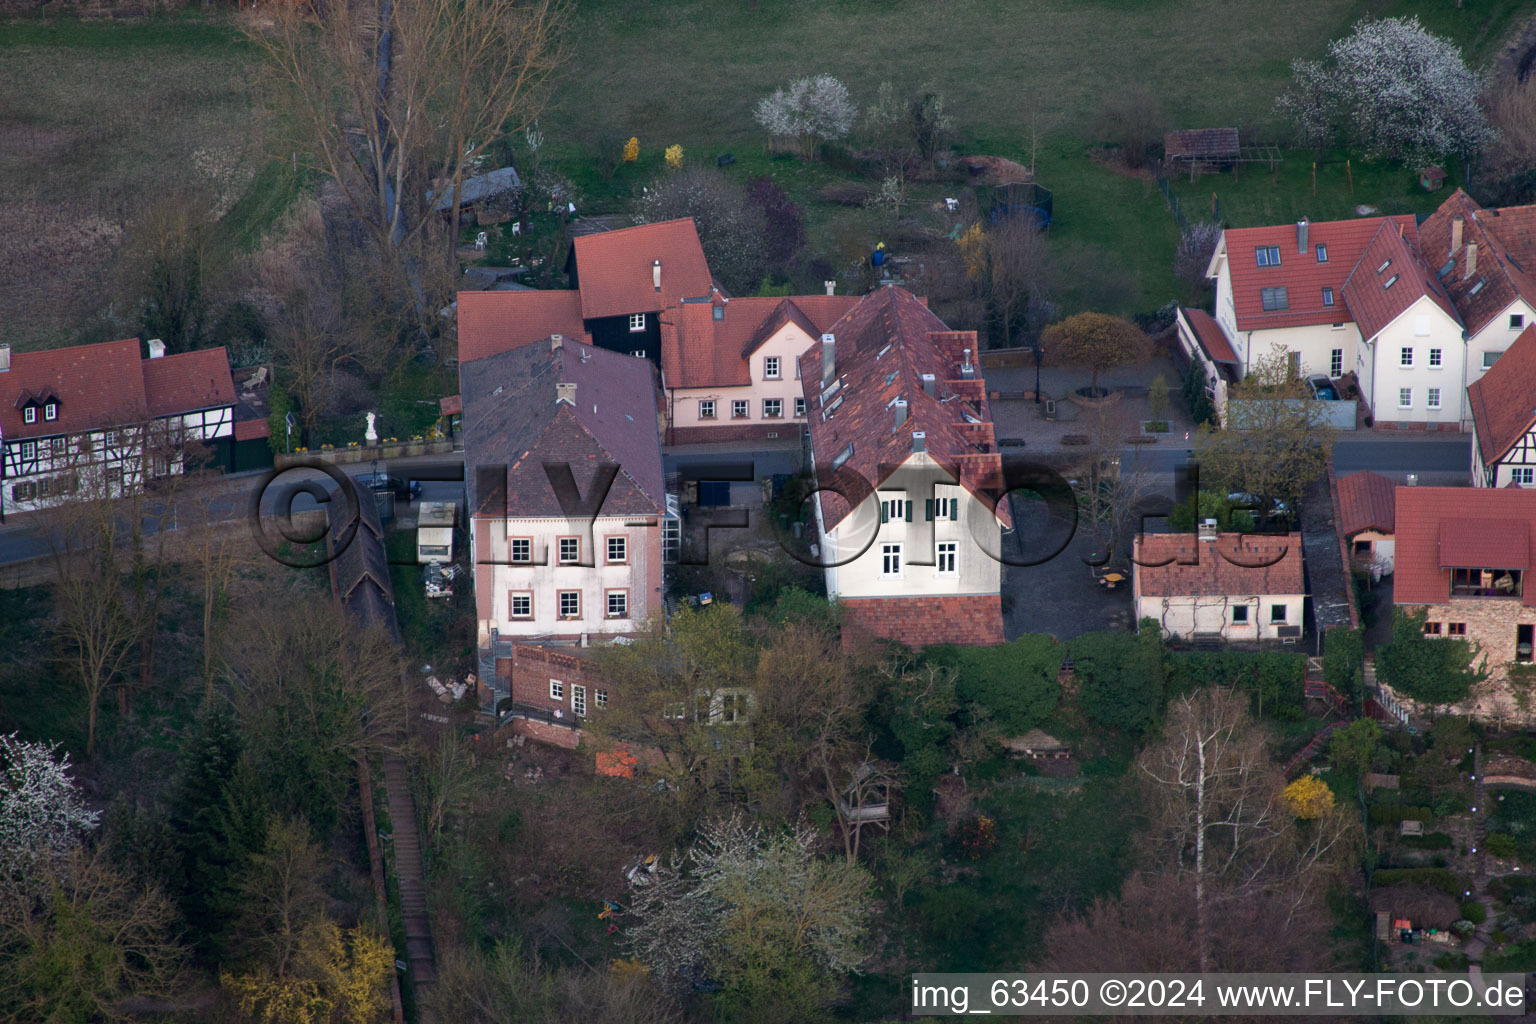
<point>909,510</point>
<point>954,509</point>
<point>928,509</point>
<point>885,511</point>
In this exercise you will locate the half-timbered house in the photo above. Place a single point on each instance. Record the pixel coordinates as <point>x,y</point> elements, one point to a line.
<point>1503,404</point>
<point>99,418</point>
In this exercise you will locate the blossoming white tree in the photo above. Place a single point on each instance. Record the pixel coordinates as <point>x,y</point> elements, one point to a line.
<point>809,110</point>
<point>1392,89</point>
<point>41,818</point>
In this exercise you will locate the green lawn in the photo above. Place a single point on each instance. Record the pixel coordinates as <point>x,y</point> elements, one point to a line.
<point>690,72</point>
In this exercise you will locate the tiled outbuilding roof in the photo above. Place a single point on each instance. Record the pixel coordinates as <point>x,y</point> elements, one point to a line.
<point>1438,527</point>
<point>1366,502</point>
<point>1301,274</point>
<point>1503,400</point>
<point>615,270</point>
<point>1210,336</point>
<point>188,382</point>
<point>699,351</point>
<point>492,322</point>
<point>1201,144</point>
<point>1232,565</point>
<point>514,417</point>
<point>884,348</point>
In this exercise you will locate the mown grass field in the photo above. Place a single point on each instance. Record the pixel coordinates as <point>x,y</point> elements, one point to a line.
<point>99,118</point>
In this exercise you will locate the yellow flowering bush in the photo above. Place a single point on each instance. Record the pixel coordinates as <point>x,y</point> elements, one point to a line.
<point>674,157</point>
<point>1308,797</point>
<point>632,150</point>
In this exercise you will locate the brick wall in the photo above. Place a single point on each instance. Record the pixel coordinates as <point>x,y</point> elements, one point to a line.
<point>975,619</point>
<point>534,666</point>
<point>787,429</point>
<point>540,732</point>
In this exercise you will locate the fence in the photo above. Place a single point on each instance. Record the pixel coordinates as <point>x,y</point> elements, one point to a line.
<point>1177,208</point>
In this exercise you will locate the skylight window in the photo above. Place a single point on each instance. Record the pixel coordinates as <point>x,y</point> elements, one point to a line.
<point>1477,287</point>
<point>1445,271</point>
<point>842,457</point>
<point>1384,266</point>
<point>1390,282</point>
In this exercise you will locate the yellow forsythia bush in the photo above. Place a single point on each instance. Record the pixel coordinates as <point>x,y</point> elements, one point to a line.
<point>674,157</point>
<point>1308,797</point>
<point>632,150</point>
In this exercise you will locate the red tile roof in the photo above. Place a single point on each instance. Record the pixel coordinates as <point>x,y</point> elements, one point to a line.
<point>1503,400</point>
<point>1502,522</point>
<point>884,346</point>
<point>1303,277</point>
<point>188,382</point>
<point>1201,144</point>
<point>252,430</point>
<point>110,384</point>
<point>1210,336</point>
<point>698,351</point>
<point>492,322</point>
<point>1388,280</point>
<point>1484,543</point>
<point>1366,502</point>
<point>1265,565</point>
<point>613,268</point>
<point>1500,278</point>
<point>1516,228</point>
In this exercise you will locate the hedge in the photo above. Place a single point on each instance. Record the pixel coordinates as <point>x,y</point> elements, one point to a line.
<point>1275,679</point>
<point>1474,912</point>
<point>1438,878</point>
<point>1391,814</point>
<point>1432,841</point>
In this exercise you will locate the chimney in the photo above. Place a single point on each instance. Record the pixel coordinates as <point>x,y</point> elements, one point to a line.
<point>565,393</point>
<point>930,385</point>
<point>1413,479</point>
<point>901,412</point>
<point>828,360</point>
<point>919,441</point>
<point>5,358</point>
<point>1455,235</point>
<point>967,371</point>
<point>156,348</point>
<point>1207,529</point>
<point>656,274</point>
<point>831,287</point>
<point>1471,260</point>
<point>1301,236</point>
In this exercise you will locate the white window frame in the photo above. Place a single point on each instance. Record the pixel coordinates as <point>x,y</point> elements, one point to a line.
<point>575,557</point>
<point>28,450</point>
<point>512,611</point>
<point>1517,321</point>
<point>1267,255</point>
<point>947,558</point>
<point>1432,401</point>
<point>1405,398</point>
<point>772,368</point>
<point>579,700</point>
<point>1240,610</point>
<point>1322,252</point>
<point>623,598</point>
<point>560,597</point>
<point>623,549</point>
<point>1328,296</point>
<point>1336,363</point>
<point>706,408</point>
<point>773,408</point>
<point>1436,359</point>
<point>799,407</point>
<point>1278,613</point>
<point>893,510</point>
<point>556,690</point>
<point>51,411</point>
<point>741,409</point>
<point>1525,476</point>
<point>675,711</point>
<point>1405,357</point>
<point>636,323</point>
<point>890,561</point>
<point>600,699</point>
<point>29,414</point>
<point>1489,358</point>
<point>512,544</point>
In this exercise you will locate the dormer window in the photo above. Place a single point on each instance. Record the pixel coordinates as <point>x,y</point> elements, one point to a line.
<point>29,414</point>
<point>719,312</point>
<point>636,322</point>
<point>51,411</point>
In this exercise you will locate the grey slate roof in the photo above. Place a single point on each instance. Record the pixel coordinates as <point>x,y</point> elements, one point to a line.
<point>514,423</point>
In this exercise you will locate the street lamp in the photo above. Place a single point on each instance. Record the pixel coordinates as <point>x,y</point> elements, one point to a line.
<point>1039,355</point>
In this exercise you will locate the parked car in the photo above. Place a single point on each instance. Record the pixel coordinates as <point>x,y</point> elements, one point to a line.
<point>380,482</point>
<point>1322,388</point>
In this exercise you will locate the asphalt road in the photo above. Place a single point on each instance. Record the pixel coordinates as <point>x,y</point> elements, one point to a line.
<point>24,536</point>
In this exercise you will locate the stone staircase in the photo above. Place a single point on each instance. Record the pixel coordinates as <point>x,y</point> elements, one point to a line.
<point>411,877</point>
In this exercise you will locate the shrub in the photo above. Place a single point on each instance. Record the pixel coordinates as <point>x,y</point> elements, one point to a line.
<point>1121,678</point>
<point>1013,685</point>
<point>783,223</point>
<point>1196,245</point>
<point>1502,845</point>
<point>1432,841</point>
<point>1132,121</point>
<point>632,150</point>
<point>730,228</point>
<point>1474,911</point>
<point>1439,878</point>
<point>674,157</point>
<point>1308,797</point>
<point>1393,814</point>
<point>1343,655</point>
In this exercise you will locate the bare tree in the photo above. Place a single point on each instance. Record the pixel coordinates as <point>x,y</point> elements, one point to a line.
<point>1017,260</point>
<point>381,97</point>
<point>1111,493</point>
<point>1132,120</point>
